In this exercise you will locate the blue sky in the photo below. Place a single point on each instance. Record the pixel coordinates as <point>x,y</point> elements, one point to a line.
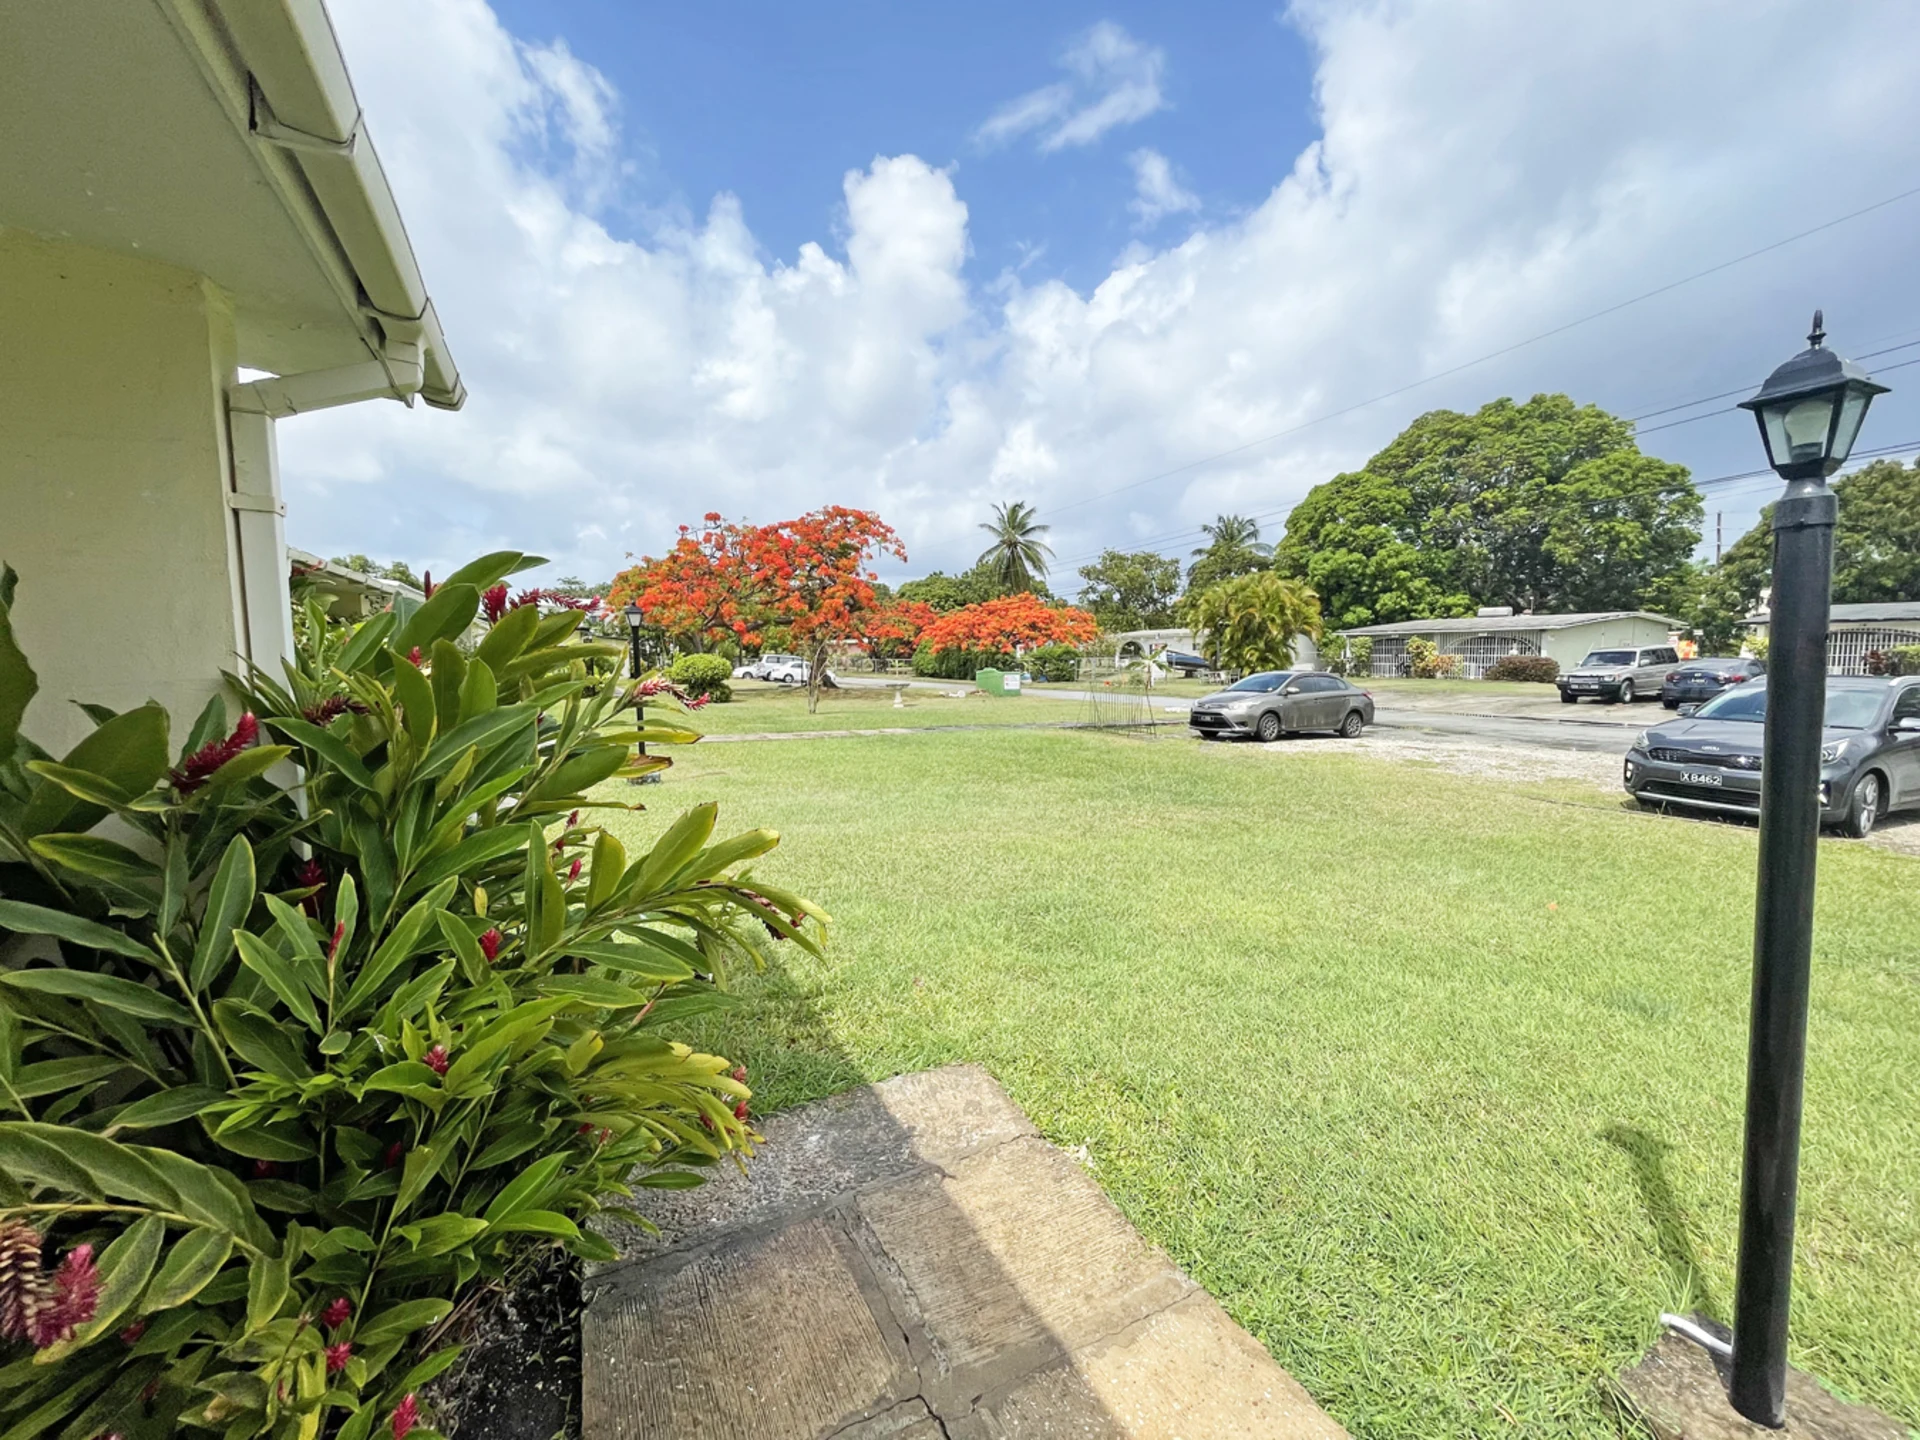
<point>775,103</point>
<point>758,259</point>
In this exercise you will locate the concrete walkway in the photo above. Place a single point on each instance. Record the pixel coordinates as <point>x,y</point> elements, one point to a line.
<point>910,1261</point>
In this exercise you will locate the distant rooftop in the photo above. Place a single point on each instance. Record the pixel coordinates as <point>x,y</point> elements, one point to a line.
<point>1872,612</point>
<point>1501,624</point>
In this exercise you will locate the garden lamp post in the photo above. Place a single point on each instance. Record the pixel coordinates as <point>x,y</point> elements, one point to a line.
<point>634,620</point>
<point>1809,412</point>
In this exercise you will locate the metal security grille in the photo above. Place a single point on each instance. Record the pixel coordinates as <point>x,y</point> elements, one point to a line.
<point>1478,653</point>
<point>1389,656</point>
<point>1847,650</point>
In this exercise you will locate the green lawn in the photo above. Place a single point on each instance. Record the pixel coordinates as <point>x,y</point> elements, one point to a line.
<point>757,709</point>
<point>1435,1083</point>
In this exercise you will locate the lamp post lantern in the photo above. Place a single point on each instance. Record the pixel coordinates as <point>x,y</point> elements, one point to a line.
<point>634,620</point>
<point>1809,412</point>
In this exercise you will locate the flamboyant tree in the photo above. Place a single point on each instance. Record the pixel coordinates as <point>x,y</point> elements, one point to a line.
<point>808,581</point>
<point>1010,624</point>
<point>894,629</point>
<point>704,590</point>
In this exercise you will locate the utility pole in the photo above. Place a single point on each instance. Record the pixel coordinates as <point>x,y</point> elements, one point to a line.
<point>1716,537</point>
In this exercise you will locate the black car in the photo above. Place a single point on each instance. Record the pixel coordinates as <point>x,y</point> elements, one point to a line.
<point>1710,759</point>
<point>1697,681</point>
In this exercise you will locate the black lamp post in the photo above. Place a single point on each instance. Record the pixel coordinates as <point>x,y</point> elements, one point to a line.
<point>1809,411</point>
<point>634,620</point>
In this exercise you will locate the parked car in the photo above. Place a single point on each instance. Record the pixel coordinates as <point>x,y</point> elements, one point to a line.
<point>763,668</point>
<point>791,671</point>
<point>1709,759</point>
<point>1697,681</point>
<point>1623,675</point>
<point>1274,702</point>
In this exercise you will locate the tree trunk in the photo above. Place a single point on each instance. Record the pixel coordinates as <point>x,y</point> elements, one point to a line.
<point>816,676</point>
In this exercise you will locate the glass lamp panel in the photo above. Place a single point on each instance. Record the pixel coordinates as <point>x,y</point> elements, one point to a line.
<point>1853,410</point>
<point>1804,426</point>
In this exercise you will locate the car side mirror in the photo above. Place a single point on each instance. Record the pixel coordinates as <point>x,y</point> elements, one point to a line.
<point>1907,725</point>
<point>1686,710</point>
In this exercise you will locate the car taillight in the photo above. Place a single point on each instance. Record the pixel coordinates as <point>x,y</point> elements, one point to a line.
<point>1672,675</point>
<point>1736,679</point>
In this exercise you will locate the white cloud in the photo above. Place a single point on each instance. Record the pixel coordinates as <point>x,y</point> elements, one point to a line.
<point>1115,81</point>
<point>1487,170</point>
<point>1156,194</point>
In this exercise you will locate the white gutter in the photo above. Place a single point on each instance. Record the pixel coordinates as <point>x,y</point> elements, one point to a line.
<point>278,68</point>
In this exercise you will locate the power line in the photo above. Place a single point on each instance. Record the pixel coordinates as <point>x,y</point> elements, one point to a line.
<point>1496,354</point>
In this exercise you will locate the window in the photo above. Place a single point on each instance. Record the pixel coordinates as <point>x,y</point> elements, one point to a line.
<point>1265,682</point>
<point>1907,707</point>
<point>1318,684</point>
<point>1608,657</point>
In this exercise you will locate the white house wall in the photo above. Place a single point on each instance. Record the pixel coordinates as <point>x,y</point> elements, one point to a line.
<point>1571,645</point>
<point>113,478</point>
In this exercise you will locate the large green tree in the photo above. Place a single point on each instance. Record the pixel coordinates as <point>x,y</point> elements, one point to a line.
<point>1233,547</point>
<point>974,586</point>
<point>1876,544</point>
<point>1131,590</point>
<point>1543,506</point>
<point>1018,556</point>
<point>1251,621</point>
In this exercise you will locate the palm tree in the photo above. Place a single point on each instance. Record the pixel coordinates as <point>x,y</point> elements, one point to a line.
<point>1018,556</point>
<point>1233,532</point>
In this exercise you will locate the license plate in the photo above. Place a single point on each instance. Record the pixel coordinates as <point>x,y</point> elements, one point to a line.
<point>1586,685</point>
<point>1701,777</point>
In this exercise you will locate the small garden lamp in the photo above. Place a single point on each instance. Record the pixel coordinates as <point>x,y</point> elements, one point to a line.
<point>634,619</point>
<point>1809,411</point>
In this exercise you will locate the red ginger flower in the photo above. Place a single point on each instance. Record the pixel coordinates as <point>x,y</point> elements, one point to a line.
<point>740,1111</point>
<point>573,870</point>
<point>133,1332</point>
<point>413,656</point>
<point>405,1416</point>
<point>75,1295</point>
<point>396,1152</point>
<point>740,1073</point>
<point>490,944</point>
<point>337,1357</point>
<point>427,587</point>
<point>331,709</point>
<point>198,768</point>
<point>333,946</point>
<point>339,1310</point>
<point>493,601</point>
<point>436,1059</point>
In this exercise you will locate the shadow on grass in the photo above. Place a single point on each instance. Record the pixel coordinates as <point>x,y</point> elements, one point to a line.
<point>1647,1156</point>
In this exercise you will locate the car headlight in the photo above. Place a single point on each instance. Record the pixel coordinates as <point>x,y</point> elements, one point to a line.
<point>1641,740</point>
<point>1830,754</point>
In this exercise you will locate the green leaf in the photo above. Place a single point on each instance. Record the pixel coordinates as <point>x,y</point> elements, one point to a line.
<point>579,774</point>
<point>124,1267</point>
<point>670,1179</point>
<point>421,1165</point>
<point>128,996</point>
<point>396,1322</point>
<point>27,1154</point>
<point>449,671</point>
<point>443,617</point>
<point>18,683</point>
<point>403,942</point>
<point>490,569</point>
<point>256,760</point>
<point>167,1107</point>
<point>525,1190</point>
<point>280,1142</point>
<point>229,899</point>
<point>173,903</point>
<point>95,788</point>
<point>328,746</point>
<point>267,1285</point>
<point>278,971</point>
<point>433,1365</point>
<point>108,1167</point>
<point>469,855</point>
<point>256,1039</point>
<point>442,1233</point>
<point>509,636</point>
<point>602,993</point>
<point>649,962</point>
<point>48,1077</point>
<point>210,1197</point>
<point>25,919</point>
<point>366,642</point>
<point>538,1222</point>
<point>609,864</point>
<point>415,695</point>
<point>683,840</point>
<point>407,1077</point>
<point>195,1259</point>
<point>129,752</point>
<point>478,693</point>
<point>517,1140</point>
<point>482,730</point>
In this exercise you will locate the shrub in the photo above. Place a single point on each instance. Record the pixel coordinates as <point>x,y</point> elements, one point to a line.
<point>958,664</point>
<point>299,1066</point>
<point>1908,658</point>
<point>1425,662</point>
<point>1054,662</point>
<point>1356,659</point>
<point>1896,660</point>
<point>1540,669</point>
<point>1756,644</point>
<point>703,675</point>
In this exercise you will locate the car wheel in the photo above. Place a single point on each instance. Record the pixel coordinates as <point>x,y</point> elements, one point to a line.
<point>1352,725</point>
<point>1626,692</point>
<point>1269,727</point>
<point>1567,697</point>
<point>1671,704</point>
<point>1864,808</point>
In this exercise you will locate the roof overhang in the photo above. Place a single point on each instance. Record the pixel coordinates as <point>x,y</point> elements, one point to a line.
<point>222,137</point>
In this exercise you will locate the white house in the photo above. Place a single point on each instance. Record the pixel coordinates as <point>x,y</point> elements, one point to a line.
<point>1479,640</point>
<point>1856,631</point>
<point>187,187</point>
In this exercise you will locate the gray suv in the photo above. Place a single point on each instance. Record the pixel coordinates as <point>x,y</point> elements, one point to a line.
<point>1624,675</point>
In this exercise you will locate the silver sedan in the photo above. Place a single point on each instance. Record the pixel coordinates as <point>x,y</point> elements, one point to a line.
<point>1277,702</point>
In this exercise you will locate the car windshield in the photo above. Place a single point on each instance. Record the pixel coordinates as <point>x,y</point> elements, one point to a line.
<point>1847,709</point>
<point>1608,657</point>
<point>1267,680</point>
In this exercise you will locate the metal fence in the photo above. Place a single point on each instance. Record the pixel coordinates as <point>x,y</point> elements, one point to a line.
<point>1847,650</point>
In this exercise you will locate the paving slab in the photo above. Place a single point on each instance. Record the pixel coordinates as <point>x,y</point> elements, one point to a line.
<point>911,1261</point>
<point>1681,1394</point>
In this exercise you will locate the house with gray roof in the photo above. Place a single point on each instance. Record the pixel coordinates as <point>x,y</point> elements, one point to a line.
<point>1495,633</point>
<point>1856,631</point>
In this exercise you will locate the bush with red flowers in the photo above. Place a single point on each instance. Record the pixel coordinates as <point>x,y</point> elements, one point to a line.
<point>289,1070</point>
